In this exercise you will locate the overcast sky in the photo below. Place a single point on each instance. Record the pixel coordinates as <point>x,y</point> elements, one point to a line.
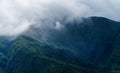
<point>16,16</point>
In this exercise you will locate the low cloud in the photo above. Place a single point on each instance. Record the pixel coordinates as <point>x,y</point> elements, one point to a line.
<point>16,16</point>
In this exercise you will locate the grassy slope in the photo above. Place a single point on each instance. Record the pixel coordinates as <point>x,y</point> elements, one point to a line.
<point>26,51</point>
<point>100,34</point>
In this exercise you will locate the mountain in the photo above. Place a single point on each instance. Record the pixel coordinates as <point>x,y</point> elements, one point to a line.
<point>32,56</point>
<point>88,39</point>
<point>4,45</point>
<point>88,45</point>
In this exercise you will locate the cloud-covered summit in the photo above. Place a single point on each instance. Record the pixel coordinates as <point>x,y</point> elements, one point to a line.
<point>16,16</point>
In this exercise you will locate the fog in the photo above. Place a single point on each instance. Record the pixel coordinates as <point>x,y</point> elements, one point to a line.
<point>16,16</point>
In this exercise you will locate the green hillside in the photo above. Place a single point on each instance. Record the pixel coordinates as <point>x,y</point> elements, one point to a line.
<point>27,56</point>
<point>90,46</point>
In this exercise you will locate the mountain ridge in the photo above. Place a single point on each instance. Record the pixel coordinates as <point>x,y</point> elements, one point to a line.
<point>89,44</point>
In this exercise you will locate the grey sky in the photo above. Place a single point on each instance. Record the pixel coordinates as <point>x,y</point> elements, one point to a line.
<point>16,16</point>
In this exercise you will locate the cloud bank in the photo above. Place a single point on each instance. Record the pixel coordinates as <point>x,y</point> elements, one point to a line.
<point>16,16</point>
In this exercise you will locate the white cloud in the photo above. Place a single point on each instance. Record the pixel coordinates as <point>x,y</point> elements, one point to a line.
<point>16,16</point>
